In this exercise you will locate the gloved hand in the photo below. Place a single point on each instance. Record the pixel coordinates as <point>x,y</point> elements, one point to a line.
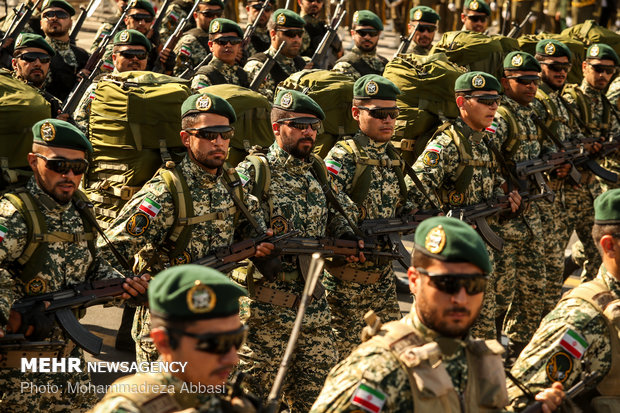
<point>42,323</point>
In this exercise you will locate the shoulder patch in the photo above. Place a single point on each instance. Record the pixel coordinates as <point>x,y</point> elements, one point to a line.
<point>434,147</point>
<point>492,127</point>
<point>559,367</point>
<point>431,158</point>
<point>244,178</point>
<point>574,343</point>
<point>333,167</point>
<point>137,224</point>
<point>368,398</point>
<point>3,231</point>
<point>186,51</point>
<point>150,207</point>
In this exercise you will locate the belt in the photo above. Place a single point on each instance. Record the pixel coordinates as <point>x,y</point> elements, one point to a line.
<point>277,297</point>
<point>346,273</point>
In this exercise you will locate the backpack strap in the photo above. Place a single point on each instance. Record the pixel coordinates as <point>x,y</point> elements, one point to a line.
<point>580,101</point>
<point>262,179</point>
<point>178,237</point>
<point>515,134</point>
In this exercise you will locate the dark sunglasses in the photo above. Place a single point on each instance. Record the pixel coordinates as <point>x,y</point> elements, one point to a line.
<point>59,14</point>
<point>259,6</point>
<point>210,13</point>
<point>558,67</point>
<point>476,18</point>
<point>488,100</point>
<point>147,18</point>
<point>292,33</point>
<point>130,54</point>
<point>452,283</point>
<point>610,70</point>
<point>217,343</point>
<point>526,80</point>
<point>302,123</point>
<point>367,32</point>
<point>63,166</point>
<point>212,132</point>
<point>314,1</point>
<point>382,113</point>
<point>32,56</point>
<point>223,41</point>
<point>426,28</point>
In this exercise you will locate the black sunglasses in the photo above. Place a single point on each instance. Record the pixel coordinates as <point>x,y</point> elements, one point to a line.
<point>610,70</point>
<point>63,166</point>
<point>526,80</point>
<point>290,33</point>
<point>426,28</point>
<point>59,14</point>
<point>302,123</point>
<point>557,67</point>
<point>147,18</point>
<point>211,13</point>
<point>32,56</point>
<point>259,6</point>
<point>217,343</point>
<point>452,283</point>
<point>488,100</point>
<point>476,18</point>
<point>223,41</point>
<point>130,54</point>
<point>212,132</point>
<point>382,113</point>
<point>314,1</point>
<point>367,32</point>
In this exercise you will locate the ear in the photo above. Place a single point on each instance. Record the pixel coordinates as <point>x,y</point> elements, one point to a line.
<point>32,161</point>
<point>272,34</point>
<point>462,17</point>
<point>352,32</point>
<point>460,101</point>
<point>275,126</point>
<point>210,43</point>
<point>355,112</point>
<point>609,246</point>
<point>414,280</point>
<point>584,65</point>
<point>185,138</point>
<point>161,340</point>
<point>504,83</point>
<point>14,63</point>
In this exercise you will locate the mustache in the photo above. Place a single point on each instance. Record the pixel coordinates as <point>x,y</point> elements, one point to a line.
<point>457,310</point>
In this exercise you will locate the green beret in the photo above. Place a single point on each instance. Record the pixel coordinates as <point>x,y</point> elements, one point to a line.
<point>25,40</point>
<point>452,240</point>
<point>220,25</point>
<point>423,14</point>
<point>294,101</point>
<point>477,5</point>
<point>60,134</point>
<point>607,208</point>
<point>142,4</point>
<point>193,292</point>
<point>471,81</point>
<point>375,87</point>
<point>208,103</point>
<point>58,3</point>
<point>553,48</point>
<point>131,37</point>
<point>603,52</point>
<point>367,18</point>
<point>521,61</point>
<point>287,18</point>
<point>213,2</point>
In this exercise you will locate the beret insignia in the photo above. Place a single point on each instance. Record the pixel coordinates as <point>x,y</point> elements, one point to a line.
<point>435,240</point>
<point>48,132</point>
<point>201,298</point>
<point>19,40</point>
<point>417,15</point>
<point>517,60</point>
<point>281,20</point>
<point>550,49</point>
<point>356,18</point>
<point>203,103</point>
<point>594,51</point>
<point>372,88</point>
<point>124,36</point>
<point>474,5</point>
<point>215,27</point>
<point>478,81</point>
<point>287,100</point>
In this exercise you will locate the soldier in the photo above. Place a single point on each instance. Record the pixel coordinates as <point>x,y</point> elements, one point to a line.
<point>475,16</point>
<point>148,225</point>
<point>581,333</point>
<point>69,59</point>
<point>423,20</point>
<point>225,38</point>
<point>58,160</point>
<point>107,26</point>
<point>427,361</point>
<point>195,316</point>
<point>613,93</point>
<point>33,25</point>
<point>177,11</point>
<point>316,27</point>
<point>194,45</point>
<point>285,25</point>
<point>353,289</point>
<point>293,199</point>
<point>260,40</point>
<point>363,58</point>
<point>584,10</point>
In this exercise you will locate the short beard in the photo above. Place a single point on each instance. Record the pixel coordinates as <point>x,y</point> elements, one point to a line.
<point>61,199</point>
<point>551,85</point>
<point>295,152</point>
<point>206,162</point>
<point>429,319</point>
<point>367,50</point>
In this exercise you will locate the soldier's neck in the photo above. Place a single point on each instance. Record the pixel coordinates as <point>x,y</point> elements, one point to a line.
<point>63,38</point>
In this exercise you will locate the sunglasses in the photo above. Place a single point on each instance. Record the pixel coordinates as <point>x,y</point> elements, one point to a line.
<point>223,41</point>
<point>63,166</point>
<point>488,100</point>
<point>210,13</point>
<point>147,18</point>
<point>259,6</point>
<point>302,123</point>
<point>30,57</point>
<point>59,14</point>
<point>476,18</point>
<point>212,132</point>
<point>314,1</point>
<point>610,70</point>
<point>217,343</point>
<point>381,113</point>
<point>130,54</point>
<point>452,283</point>
<point>292,33</point>
<point>426,28</point>
<point>367,32</point>
<point>526,80</point>
<point>558,67</point>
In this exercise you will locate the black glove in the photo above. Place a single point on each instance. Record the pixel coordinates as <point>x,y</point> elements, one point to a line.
<point>268,266</point>
<point>42,323</point>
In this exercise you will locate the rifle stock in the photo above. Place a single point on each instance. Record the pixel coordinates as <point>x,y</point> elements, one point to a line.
<point>264,71</point>
<point>405,42</point>
<point>174,38</point>
<point>17,26</point>
<point>318,57</point>
<point>516,28</point>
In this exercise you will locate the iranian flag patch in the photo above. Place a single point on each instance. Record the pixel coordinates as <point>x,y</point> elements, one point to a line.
<point>3,231</point>
<point>244,178</point>
<point>150,207</point>
<point>434,147</point>
<point>574,343</point>
<point>174,16</point>
<point>492,128</point>
<point>333,166</point>
<point>186,51</point>
<point>107,66</point>
<point>368,398</point>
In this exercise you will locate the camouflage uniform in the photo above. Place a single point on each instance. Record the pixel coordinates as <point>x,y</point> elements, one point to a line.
<point>105,29</point>
<point>376,64</point>
<point>64,264</point>
<point>135,232</point>
<point>295,202</point>
<point>262,35</point>
<point>175,13</point>
<point>190,50</point>
<point>575,330</point>
<point>419,50</point>
<point>613,93</point>
<point>229,72</point>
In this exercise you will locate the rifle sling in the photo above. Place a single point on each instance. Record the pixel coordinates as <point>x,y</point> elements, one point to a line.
<point>502,161</point>
<point>239,204</point>
<point>409,171</point>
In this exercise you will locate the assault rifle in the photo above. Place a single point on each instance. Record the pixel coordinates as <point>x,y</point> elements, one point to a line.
<point>331,247</point>
<point>85,13</point>
<point>249,31</point>
<point>21,19</point>
<point>405,42</point>
<point>318,58</point>
<point>154,31</point>
<point>174,38</point>
<point>516,28</point>
<point>190,72</point>
<point>264,71</point>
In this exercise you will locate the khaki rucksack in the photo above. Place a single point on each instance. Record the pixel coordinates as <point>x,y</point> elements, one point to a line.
<point>590,32</point>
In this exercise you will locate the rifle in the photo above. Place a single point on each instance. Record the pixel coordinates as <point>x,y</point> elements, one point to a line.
<point>331,247</point>
<point>316,269</point>
<point>172,41</point>
<point>154,31</point>
<point>516,28</point>
<point>190,72</point>
<point>264,71</point>
<point>86,12</point>
<point>249,31</point>
<point>22,17</point>
<point>318,57</point>
<point>18,342</point>
<point>405,42</point>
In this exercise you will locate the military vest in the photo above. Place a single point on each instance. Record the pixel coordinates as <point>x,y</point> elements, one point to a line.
<point>543,94</point>
<point>278,74</point>
<point>585,110</point>
<point>201,35</point>
<point>216,78</point>
<point>360,64</point>
<point>516,132</point>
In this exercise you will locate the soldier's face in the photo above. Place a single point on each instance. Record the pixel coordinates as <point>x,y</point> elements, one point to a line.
<point>54,26</point>
<point>298,143</point>
<point>424,34</point>
<point>127,58</point>
<point>210,154</point>
<point>205,13</point>
<point>253,11</point>
<point>450,315</point>
<point>310,6</point>
<point>225,50</point>
<point>34,72</point>
<point>475,21</point>
<point>514,88</point>
<point>293,38</point>
<point>59,186</point>
<point>475,113</point>
<point>379,130</point>
<point>555,71</point>
<point>140,20</point>
<point>595,72</point>
<point>365,38</point>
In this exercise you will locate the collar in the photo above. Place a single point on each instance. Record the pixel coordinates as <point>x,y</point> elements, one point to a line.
<point>473,135</point>
<point>612,282</point>
<point>449,346</point>
<point>506,101</point>
<point>289,162</point>
<point>589,90</point>
<point>45,200</point>
<point>58,44</point>
<point>357,51</point>
<point>281,58</point>
<point>220,64</point>
<point>194,173</point>
<point>369,143</point>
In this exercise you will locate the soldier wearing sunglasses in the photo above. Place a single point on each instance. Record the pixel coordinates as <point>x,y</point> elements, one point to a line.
<point>194,45</point>
<point>108,24</point>
<point>476,15</point>
<point>400,364</point>
<point>423,20</point>
<point>260,40</point>
<point>195,316</point>
<point>363,58</point>
<point>225,38</point>
<point>65,256</point>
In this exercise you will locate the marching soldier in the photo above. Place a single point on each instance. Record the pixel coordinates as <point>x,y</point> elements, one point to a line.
<point>310,11</point>
<point>225,38</point>
<point>475,15</point>
<point>428,361</point>
<point>176,12</point>
<point>260,40</point>
<point>107,26</point>
<point>363,58</point>
<point>423,20</point>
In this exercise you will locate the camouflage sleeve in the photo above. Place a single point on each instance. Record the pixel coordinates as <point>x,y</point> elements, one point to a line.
<point>572,332</point>
<point>341,168</point>
<point>103,31</point>
<point>247,175</point>
<point>107,65</point>
<point>199,82</point>
<point>501,131</point>
<point>184,52</point>
<point>347,69</point>
<point>170,22</point>
<point>81,115</point>
<point>268,86</point>
<point>258,209</point>
<point>613,93</point>
<point>255,210</point>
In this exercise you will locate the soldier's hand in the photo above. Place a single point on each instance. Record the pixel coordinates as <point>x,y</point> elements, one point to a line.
<point>136,286</point>
<point>84,73</point>
<point>265,248</point>
<point>14,323</point>
<point>164,55</point>
<point>63,116</point>
<point>358,258</point>
<point>309,65</point>
<point>515,200</point>
<point>563,170</point>
<point>552,397</point>
<point>593,147</point>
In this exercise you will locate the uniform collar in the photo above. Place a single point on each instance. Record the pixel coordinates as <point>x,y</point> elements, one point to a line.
<point>472,135</point>
<point>281,58</point>
<point>220,64</point>
<point>195,173</point>
<point>45,200</point>
<point>612,282</point>
<point>589,90</point>
<point>367,142</point>
<point>58,44</point>
<point>357,51</point>
<point>289,162</point>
